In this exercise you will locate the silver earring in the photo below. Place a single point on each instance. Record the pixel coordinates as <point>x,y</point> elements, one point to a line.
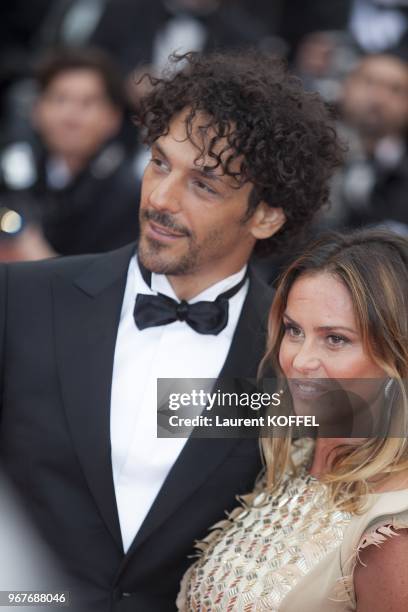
<point>388,388</point>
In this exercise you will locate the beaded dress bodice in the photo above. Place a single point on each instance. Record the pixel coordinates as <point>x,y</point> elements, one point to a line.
<point>251,561</point>
<point>290,551</point>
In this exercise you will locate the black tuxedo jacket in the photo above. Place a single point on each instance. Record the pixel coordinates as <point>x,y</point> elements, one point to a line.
<point>58,326</point>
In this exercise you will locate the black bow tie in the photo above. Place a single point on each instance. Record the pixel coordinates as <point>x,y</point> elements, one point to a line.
<point>203,317</point>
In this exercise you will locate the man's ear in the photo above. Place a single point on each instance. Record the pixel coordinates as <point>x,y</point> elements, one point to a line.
<point>266,221</point>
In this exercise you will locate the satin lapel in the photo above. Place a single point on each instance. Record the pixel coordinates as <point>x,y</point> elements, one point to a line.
<point>87,311</point>
<point>200,457</point>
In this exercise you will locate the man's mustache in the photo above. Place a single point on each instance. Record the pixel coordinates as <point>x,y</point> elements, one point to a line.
<point>165,220</point>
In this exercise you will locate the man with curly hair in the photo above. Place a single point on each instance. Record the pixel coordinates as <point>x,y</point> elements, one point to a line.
<point>240,161</point>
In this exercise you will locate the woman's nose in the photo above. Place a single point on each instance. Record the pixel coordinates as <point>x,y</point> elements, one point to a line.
<point>306,360</point>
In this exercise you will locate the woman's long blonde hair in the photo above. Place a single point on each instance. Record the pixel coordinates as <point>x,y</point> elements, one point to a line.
<point>373,265</point>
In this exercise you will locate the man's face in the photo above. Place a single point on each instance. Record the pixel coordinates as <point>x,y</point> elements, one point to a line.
<point>375,96</point>
<point>74,115</point>
<point>192,218</point>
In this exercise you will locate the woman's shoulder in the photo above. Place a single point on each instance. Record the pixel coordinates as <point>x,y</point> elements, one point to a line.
<point>386,507</point>
<point>376,536</point>
<point>383,511</point>
<point>381,574</point>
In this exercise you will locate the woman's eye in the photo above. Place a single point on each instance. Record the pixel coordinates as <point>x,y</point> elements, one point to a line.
<point>335,340</point>
<point>292,331</point>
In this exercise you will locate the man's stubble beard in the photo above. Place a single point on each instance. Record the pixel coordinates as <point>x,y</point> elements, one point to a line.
<point>154,257</point>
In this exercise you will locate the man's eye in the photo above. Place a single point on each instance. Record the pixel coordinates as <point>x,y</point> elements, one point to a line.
<point>157,162</point>
<point>205,187</point>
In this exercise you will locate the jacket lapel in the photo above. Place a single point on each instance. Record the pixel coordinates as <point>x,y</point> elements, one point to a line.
<point>249,341</point>
<point>87,312</point>
<point>200,457</point>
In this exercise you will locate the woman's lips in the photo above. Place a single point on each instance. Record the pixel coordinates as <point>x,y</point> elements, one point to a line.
<point>307,389</point>
<point>159,232</point>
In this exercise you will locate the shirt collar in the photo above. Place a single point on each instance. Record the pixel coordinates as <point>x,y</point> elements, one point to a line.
<point>160,284</point>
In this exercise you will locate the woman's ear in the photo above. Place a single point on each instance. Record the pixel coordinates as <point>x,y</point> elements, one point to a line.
<point>266,221</point>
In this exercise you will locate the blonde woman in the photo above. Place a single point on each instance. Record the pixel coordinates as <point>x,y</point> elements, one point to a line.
<point>327,528</point>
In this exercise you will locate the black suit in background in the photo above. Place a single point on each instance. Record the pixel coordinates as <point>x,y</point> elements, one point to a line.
<point>58,325</point>
<point>128,29</point>
<point>96,211</point>
<point>386,203</point>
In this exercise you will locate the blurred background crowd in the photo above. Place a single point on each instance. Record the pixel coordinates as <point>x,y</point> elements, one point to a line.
<point>71,161</point>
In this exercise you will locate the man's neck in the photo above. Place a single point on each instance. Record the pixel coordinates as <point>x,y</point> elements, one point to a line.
<point>74,163</point>
<point>187,287</point>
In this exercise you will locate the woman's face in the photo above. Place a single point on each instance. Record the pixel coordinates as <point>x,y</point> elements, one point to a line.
<point>321,341</point>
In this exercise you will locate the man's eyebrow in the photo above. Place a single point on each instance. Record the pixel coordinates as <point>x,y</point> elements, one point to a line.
<point>155,146</point>
<point>207,172</point>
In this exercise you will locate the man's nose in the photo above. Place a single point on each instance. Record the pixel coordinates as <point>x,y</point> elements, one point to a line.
<point>166,194</point>
<point>306,360</point>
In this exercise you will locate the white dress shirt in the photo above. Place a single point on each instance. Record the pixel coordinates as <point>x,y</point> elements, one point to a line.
<point>140,460</point>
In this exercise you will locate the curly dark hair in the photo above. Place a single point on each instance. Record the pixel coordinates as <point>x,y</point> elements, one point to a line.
<point>282,136</point>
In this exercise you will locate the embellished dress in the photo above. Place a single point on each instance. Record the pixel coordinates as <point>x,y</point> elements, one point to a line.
<point>290,551</point>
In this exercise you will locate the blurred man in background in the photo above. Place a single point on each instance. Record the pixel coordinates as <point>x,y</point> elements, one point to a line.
<point>79,181</point>
<point>372,188</point>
